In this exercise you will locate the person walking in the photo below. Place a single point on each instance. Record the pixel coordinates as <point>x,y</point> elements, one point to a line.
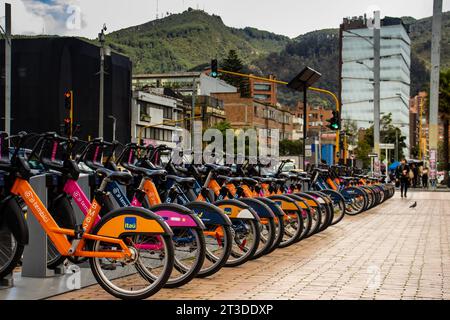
<point>425,177</point>
<point>402,175</point>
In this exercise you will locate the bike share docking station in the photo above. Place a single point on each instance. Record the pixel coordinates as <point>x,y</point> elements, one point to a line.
<point>35,280</point>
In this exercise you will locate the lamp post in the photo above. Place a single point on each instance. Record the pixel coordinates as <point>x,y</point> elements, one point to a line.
<point>101,39</point>
<point>305,79</point>
<point>7,35</point>
<point>114,119</point>
<point>434,87</point>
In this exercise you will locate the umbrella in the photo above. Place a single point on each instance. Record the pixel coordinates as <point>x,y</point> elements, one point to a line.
<point>394,165</point>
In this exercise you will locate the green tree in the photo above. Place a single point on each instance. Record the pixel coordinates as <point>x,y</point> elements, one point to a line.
<point>234,64</point>
<point>362,152</point>
<point>389,133</point>
<point>351,130</point>
<point>291,148</point>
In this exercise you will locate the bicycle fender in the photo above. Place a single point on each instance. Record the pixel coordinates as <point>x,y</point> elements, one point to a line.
<point>334,195</point>
<point>177,215</point>
<point>286,203</point>
<point>277,210</point>
<point>208,213</point>
<point>130,220</point>
<point>261,209</point>
<point>236,209</point>
<point>14,218</point>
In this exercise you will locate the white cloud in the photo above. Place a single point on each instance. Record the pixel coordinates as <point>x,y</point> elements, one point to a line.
<point>24,21</point>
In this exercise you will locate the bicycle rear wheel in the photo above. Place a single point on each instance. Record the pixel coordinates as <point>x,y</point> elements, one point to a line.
<point>11,246</point>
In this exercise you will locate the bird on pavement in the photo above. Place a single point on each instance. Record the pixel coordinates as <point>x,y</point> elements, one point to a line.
<point>413,205</point>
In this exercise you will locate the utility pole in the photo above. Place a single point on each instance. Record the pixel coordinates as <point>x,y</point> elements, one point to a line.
<point>422,102</point>
<point>8,68</point>
<point>193,115</point>
<point>305,124</point>
<point>377,77</point>
<point>396,145</point>
<point>434,85</point>
<point>114,119</point>
<point>101,38</point>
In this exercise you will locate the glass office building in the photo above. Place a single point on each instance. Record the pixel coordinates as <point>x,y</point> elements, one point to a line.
<point>357,89</point>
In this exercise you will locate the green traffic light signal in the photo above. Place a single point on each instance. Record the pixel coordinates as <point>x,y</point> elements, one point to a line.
<point>214,68</point>
<point>335,122</point>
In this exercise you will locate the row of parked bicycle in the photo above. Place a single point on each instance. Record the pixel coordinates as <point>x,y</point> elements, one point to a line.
<point>150,223</point>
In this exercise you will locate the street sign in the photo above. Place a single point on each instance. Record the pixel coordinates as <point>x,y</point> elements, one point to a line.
<point>373,155</point>
<point>308,150</point>
<point>389,146</point>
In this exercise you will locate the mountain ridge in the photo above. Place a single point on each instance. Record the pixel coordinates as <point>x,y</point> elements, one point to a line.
<point>189,40</point>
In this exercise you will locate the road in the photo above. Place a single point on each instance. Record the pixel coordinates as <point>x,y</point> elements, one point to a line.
<point>390,252</point>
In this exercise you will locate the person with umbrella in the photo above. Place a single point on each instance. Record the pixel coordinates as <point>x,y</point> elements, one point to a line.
<point>402,175</point>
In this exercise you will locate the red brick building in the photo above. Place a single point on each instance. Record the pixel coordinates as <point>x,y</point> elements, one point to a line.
<point>245,113</point>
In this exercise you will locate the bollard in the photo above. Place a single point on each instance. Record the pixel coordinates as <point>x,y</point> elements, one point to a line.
<point>35,253</point>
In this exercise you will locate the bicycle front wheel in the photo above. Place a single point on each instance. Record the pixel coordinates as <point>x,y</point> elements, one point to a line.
<point>143,276</point>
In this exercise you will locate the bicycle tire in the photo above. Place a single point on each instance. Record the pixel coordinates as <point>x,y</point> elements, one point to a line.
<point>9,236</point>
<point>218,263</point>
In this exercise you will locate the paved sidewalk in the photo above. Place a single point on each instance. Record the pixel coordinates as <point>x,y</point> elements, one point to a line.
<point>391,252</point>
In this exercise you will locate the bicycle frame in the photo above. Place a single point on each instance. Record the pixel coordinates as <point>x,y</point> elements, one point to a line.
<point>58,235</point>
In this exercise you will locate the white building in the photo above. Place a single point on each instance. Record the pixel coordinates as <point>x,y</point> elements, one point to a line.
<point>183,83</point>
<point>357,89</point>
<point>154,116</point>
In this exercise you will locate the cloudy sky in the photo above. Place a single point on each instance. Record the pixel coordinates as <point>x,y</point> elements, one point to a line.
<point>288,17</point>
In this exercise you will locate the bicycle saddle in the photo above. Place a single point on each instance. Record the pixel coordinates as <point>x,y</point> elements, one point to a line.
<point>188,182</point>
<point>118,176</point>
<point>251,182</point>
<point>230,179</point>
<point>218,169</point>
<point>266,180</point>
<point>149,173</point>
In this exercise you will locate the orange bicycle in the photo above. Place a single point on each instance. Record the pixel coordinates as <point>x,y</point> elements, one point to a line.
<point>113,246</point>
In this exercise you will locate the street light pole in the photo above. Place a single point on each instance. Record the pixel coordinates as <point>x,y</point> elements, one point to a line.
<point>8,68</point>
<point>396,145</point>
<point>305,123</point>
<point>434,86</point>
<point>114,119</point>
<point>101,38</point>
<point>377,77</point>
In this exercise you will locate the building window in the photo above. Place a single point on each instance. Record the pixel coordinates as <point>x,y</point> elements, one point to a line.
<point>262,87</point>
<point>158,134</point>
<point>262,96</point>
<point>144,114</point>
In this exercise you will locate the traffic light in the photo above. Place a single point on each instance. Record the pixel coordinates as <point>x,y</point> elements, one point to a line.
<point>68,99</point>
<point>335,122</point>
<point>67,126</point>
<point>214,69</point>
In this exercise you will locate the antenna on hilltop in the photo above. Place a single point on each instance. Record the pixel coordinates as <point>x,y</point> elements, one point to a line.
<point>157,9</point>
